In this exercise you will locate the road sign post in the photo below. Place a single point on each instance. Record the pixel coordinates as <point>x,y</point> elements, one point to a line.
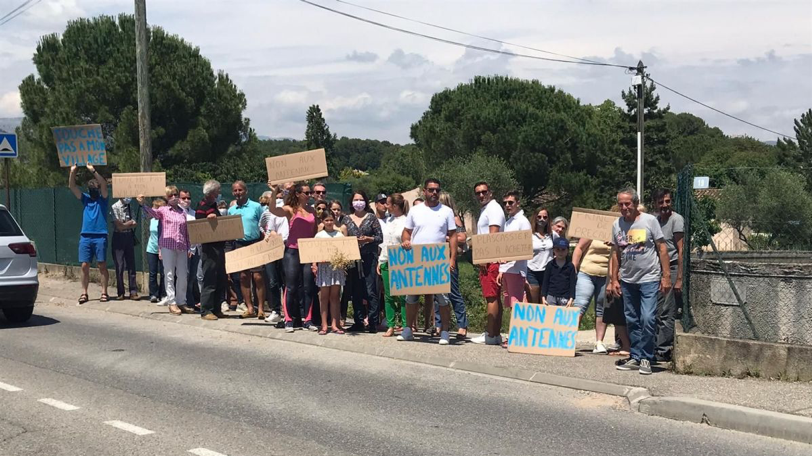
<point>8,149</point>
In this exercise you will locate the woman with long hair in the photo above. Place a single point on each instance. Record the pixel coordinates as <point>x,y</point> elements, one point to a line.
<point>398,208</point>
<point>362,224</point>
<point>542,252</point>
<point>300,282</point>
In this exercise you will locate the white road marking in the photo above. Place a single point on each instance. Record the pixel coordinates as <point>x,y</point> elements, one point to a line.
<point>11,388</point>
<point>129,427</point>
<point>205,452</point>
<point>59,404</point>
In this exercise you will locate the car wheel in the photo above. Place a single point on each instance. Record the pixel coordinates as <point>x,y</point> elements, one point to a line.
<point>18,314</point>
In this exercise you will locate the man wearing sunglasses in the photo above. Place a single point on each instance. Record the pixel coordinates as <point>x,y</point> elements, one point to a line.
<point>320,192</point>
<point>491,220</point>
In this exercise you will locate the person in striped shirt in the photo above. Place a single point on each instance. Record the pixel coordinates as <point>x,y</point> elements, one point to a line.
<point>174,245</point>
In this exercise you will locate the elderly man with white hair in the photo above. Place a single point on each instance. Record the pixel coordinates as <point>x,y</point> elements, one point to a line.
<point>212,258</point>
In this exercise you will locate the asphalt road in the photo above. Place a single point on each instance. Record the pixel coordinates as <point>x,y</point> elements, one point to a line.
<point>84,382</point>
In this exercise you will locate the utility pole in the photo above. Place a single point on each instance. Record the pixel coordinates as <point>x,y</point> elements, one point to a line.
<point>142,70</point>
<point>640,81</point>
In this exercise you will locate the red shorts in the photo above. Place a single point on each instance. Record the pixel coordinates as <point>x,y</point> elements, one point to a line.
<point>487,279</point>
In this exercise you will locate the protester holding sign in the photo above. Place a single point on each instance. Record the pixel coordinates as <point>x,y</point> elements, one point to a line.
<point>641,270</point>
<point>491,220</point>
<point>174,245</point>
<point>512,273</point>
<point>124,247</point>
<point>300,281</point>
<point>392,234</point>
<point>251,213</point>
<point>93,237</point>
<point>329,280</point>
<point>364,225</point>
<point>543,236</point>
<point>212,257</point>
<point>430,223</point>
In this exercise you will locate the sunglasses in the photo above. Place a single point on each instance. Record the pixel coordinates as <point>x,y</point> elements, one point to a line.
<point>481,192</point>
<point>308,193</point>
<point>320,192</point>
<point>510,203</point>
<point>433,190</point>
<point>173,194</point>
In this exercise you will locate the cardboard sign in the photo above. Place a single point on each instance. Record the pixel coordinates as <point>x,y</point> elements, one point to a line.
<point>80,145</point>
<point>511,246</point>
<point>257,254</point>
<point>423,269</point>
<point>297,167</point>
<point>543,330</point>
<point>592,224</point>
<point>217,229</point>
<point>314,250</point>
<point>134,184</point>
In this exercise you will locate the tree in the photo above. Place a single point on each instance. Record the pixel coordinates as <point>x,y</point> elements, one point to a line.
<point>87,75</point>
<point>458,177</point>
<point>317,136</point>
<point>798,154</point>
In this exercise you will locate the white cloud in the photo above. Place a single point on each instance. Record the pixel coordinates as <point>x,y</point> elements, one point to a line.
<point>10,104</point>
<point>363,57</point>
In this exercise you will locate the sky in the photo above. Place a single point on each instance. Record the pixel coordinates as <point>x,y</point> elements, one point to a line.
<point>751,59</point>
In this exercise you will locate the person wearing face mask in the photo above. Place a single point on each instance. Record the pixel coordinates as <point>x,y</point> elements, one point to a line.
<point>124,247</point>
<point>195,277</point>
<point>93,237</point>
<point>222,207</point>
<point>543,237</point>
<point>174,245</point>
<point>363,225</point>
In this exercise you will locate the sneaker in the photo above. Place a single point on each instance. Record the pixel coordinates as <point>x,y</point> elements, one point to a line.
<point>273,318</point>
<point>288,327</point>
<point>645,367</point>
<point>406,335</point>
<point>600,348</point>
<point>153,299</point>
<point>310,326</point>
<point>444,338</point>
<point>163,302</point>
<point>480,339</point>
<point>224,307</point>
<point>241,307</point>
<point>613,347</point>
<point>209,317</point>
<point>628,364</point>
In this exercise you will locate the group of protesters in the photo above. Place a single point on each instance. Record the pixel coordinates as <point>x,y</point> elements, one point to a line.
<point>634,280</point>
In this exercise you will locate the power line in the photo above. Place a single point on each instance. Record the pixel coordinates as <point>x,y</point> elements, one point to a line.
<point>660,84</point>
<point>5,21</point>
<point>467,33</point>
<point>15,9</point>
<point>457,43</point>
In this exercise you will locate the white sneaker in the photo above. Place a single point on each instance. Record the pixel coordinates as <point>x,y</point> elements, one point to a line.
<point>163,302</point>
<point>600,348</point>
<point>242,307</point>
<point>273,318</point>
<point>444,338</point>
<point>224,307</point>
<point>406,335</point>
<point>480,339</point>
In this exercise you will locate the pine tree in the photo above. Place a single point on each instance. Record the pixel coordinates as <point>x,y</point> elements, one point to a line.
<point>318,136</point>
<point>798,155</point>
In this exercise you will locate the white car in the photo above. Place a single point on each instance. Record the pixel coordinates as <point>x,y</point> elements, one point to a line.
<point>18,270</point>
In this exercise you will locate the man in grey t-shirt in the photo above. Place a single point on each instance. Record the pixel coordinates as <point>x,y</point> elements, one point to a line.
<point>639,272</point>
<point>673,226</point>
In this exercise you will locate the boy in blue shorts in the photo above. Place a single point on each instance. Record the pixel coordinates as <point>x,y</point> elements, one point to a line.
<point>93,238</point>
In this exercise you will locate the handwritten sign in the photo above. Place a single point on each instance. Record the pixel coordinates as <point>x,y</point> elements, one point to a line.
<point>134,184</point>
<point>323,250</point>
<point>592,224</point>
<point>423,269</point>
<point>257,254</point>
<point>80,145</point>
<point>510,246</point>
<point>543,330</point>
<point>297,167</point>
<point>217,229</point>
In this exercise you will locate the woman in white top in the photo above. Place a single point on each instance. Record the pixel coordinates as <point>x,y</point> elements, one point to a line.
<point>392,232</point>
<point>543,236</point>
<point>329,280</point>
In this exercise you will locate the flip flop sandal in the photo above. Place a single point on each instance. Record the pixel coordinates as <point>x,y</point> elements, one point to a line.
<point>322,333</point>
<point>104,297</point>
<point>339,331</point>
<point>83,298</point>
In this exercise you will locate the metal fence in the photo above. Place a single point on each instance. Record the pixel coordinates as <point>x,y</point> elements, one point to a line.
<point>748,254</point>
<point>52,217</point>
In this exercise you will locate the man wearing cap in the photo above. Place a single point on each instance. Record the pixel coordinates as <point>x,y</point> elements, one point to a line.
<point>380,208</point>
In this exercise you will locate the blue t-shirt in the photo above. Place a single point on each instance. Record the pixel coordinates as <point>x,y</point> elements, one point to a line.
<point>251,212</point>
<point>94,217</point>
<point>154,233</point>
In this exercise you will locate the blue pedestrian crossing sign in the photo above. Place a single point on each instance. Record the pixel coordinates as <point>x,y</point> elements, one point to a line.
<point>8,145</point>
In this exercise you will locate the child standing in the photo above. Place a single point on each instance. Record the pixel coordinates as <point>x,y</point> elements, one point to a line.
<point>558,288</point>
<point>329,280</point>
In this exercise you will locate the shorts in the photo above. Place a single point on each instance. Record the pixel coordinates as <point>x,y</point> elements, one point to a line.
<point>92,246</point>
<point>535,278</point>
<point>557,300</point>
<point>439,299</point>
<point>487,280</point>
<point>240,244</point>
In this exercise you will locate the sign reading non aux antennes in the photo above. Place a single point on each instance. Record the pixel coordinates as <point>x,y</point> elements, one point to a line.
<point>297,167</point>
<point>423,269</point>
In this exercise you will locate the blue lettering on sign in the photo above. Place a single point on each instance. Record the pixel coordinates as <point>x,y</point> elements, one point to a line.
<point>401,256</point>
<point>526,312</point>
<point>565,318</point>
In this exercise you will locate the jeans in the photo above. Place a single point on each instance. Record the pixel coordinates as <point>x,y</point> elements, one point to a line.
<point>124,258</point>
<point>300,285</point>
<point>273,285</point>
<point>364,283</point>
<point>191,280</point>
<point>640,307</point>
<point>666,317</point>
<point>456,302</point>
<point>215,279</point>
<point>175,262</point>
<point>391,303</point>
<point>590,287</point>
<point>156,287</point>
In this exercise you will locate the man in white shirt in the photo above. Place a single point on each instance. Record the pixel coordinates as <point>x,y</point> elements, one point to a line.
<point>491,220</point>
<point>430,223</point>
